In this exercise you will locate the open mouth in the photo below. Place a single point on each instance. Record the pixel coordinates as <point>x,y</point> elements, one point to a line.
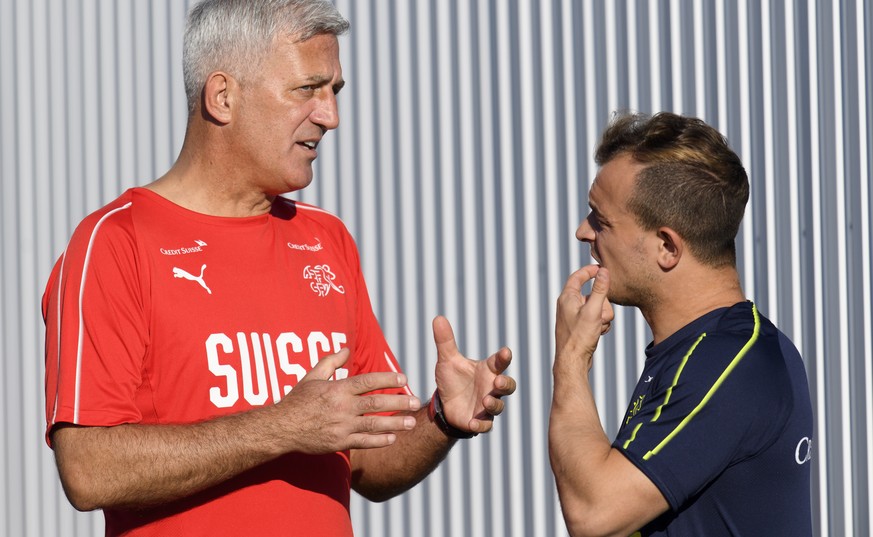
<point>309,145</point>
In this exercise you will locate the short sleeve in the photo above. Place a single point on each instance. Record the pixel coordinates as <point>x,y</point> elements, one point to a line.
<point>96,333</point>
<point>706,414</point>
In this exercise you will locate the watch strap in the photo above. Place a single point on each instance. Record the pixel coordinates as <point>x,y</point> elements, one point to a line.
<point>435,411</point>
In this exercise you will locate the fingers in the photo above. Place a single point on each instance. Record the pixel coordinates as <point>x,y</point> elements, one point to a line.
<point>384,424</point>
<point>500,360</point>
<point>359,384</point>
<point>378,431</point>
<point>368,441</point>
<point>503,385</point>
<point>607,316</point>
<point>608,313</point>
<point>369,404</point>
<point>579,278</point>
<point>493,405</point>
<point>369,382</point>
<point>331,416</point>
<point>481,426</point>
<point>595,304</point>
<point>492,402</point>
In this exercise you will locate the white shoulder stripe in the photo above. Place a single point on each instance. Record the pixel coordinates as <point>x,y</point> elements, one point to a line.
<point>60,298</point>
<point>391,365</point>
<point>81,294</point>
<point>314,209</point>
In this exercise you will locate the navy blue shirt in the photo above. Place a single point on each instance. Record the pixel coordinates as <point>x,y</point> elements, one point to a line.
<point>721,422</point>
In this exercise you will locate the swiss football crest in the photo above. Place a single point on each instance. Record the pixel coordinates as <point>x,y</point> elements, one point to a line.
<point>322,280</point>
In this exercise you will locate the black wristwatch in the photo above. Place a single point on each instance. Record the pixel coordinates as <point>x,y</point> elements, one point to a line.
<point>435,411</point>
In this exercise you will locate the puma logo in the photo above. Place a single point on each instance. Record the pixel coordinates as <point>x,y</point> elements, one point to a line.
<point>179,273</point>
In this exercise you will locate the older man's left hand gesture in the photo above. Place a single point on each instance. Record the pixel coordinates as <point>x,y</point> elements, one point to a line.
<point>470,390</point>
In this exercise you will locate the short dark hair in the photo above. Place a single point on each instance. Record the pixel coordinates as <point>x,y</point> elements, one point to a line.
<point>692,182</point>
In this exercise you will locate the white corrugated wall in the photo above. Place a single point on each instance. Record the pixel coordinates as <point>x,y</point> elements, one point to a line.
<point>462,166</point>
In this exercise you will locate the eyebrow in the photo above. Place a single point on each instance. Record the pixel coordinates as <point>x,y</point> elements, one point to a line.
<point>322,80</point>
<point>596,212</point>
<point>592,206</point>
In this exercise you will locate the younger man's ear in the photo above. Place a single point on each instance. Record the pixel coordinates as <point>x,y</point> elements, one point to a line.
<point>670,248</point>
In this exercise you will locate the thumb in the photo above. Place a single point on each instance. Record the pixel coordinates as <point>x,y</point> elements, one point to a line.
<point>599,290</point>
<point>444,337</point>
<point>327,366</point>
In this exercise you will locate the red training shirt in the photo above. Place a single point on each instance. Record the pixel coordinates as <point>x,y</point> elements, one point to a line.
<point>159,315</point>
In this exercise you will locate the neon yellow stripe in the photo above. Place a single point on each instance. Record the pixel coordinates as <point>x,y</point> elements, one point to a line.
<point>669,390</point>
<point>676,378</point>
<point>714,388</point>
<point>633,435</point>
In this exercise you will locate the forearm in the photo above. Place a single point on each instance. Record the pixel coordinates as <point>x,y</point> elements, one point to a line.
<point>595,481</point>
<point>145,465</point>
<point>582,458</point>
<point>578,446</point>
<point>383,473</point>
<point>135,466</point>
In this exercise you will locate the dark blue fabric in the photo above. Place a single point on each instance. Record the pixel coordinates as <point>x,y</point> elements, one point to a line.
<point>726,440</point>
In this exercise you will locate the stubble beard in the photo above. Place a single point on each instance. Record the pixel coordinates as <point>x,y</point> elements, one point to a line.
<point>635,296</point>
<point>637,290</point>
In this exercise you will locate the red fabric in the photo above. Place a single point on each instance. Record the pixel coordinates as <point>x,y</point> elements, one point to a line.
<point>156,314</point>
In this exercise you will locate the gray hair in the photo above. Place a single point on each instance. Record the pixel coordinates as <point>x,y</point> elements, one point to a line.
<point>235,35</point>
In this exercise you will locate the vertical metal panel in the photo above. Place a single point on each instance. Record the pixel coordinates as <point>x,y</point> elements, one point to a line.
<point>8,152</point>
<point>462,166</point>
